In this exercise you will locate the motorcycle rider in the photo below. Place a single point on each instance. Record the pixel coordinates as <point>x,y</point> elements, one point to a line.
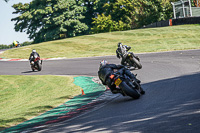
<point>122,51</point>
<point>32,56</point>
<point>105,70</point>
<point>15,43</point>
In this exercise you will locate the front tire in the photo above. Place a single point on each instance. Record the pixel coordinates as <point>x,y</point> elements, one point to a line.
<point>129,91</point>
<point>136,62</point>
<point>32,68</point>
<point>39,67</point>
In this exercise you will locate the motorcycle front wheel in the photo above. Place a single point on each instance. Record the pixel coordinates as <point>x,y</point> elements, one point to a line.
<point>129,91</point>
<point>32,68</point>
<point>136,62</point>
<point>39,67</point>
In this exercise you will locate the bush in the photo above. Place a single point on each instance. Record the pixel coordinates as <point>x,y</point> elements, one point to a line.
<point>5,46</point>
<point>26,43</point>
<point>2,46</point>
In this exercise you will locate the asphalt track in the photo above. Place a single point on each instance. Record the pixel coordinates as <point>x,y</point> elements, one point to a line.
<point>171,103</point>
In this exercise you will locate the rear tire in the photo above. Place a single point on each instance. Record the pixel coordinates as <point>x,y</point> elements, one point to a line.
<point>129,91</point>
<point>136,62</point>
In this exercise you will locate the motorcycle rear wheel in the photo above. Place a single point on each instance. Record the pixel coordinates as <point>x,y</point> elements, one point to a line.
<point>129,91</point>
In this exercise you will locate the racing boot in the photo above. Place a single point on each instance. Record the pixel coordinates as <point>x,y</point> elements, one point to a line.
<point>142,91</point>
<point>136,80</point>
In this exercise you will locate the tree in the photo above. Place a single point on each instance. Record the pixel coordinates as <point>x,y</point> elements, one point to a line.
<point>134,12</point>
<point>45,20</point>
<point>105,24</point>
<point>131,14</point>
<point>92,8</point>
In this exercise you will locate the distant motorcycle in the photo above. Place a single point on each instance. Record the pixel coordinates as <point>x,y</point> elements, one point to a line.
<point>36,64</point>
<point>128,87</point>
<point>18,45</point>
<point>132,60</point>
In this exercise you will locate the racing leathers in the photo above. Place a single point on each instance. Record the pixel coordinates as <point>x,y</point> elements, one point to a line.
<point>33,55</point>
<point>108,69</point>
<point>122,51</point>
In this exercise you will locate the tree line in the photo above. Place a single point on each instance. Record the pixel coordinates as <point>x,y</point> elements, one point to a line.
<point>2,46</point>
<point>46,20</point>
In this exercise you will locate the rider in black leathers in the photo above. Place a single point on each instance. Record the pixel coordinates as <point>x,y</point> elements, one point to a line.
<point>105,70</point>
<point>32,55</point>
<point>122,51</point>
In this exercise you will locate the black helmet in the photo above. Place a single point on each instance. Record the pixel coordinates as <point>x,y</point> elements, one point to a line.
<point>119,44</point>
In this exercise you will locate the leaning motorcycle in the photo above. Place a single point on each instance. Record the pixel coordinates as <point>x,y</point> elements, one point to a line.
<point>36,64</point>
<point>132,60</point>
<point>127,86</point>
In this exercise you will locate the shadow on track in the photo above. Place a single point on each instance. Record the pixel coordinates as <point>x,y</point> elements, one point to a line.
<point>29,71</point>
<point>170,105</point>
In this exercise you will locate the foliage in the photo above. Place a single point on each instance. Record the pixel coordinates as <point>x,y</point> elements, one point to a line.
<point>45,20</point>
<point>105,24</point>
<point>2,46</point>
<point>91,8</point>
<point>132,14</point>
<point>26,43</point>
<point>194,3</point>
<point>5,46</point>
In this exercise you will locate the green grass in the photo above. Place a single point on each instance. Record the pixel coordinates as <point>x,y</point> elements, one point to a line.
<point>141,40</point>
<point>22,97</point>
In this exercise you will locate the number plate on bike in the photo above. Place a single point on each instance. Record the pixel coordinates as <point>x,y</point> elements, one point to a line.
<point>118,82</point>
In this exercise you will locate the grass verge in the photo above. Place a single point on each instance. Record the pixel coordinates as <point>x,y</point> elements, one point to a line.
<point>23,97</point>
<point>141,40</point>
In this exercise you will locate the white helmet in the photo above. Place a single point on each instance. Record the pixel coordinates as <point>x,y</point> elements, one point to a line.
<point>103,62</point>
<point>33,50</point>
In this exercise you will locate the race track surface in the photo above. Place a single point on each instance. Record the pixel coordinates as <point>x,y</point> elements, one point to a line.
<point>171,103</point>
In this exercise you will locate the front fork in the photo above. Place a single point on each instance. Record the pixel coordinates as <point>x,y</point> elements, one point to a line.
<point>132,54</point>
<point>137,86</point>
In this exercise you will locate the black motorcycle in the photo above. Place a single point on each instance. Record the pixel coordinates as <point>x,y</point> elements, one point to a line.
<point>127,86</point>
<point>36,64</point>
<point>132,60</point>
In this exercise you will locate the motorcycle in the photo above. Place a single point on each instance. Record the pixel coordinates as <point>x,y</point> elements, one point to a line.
<point>36,64</point>
<point>18,45</point>
<point>132,60</point>
<point>126,85</point>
